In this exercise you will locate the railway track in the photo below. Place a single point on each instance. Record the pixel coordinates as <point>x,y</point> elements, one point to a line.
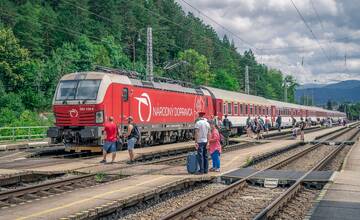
<point>274,207</point>
<point>25,194</point>
<point>230,196</point>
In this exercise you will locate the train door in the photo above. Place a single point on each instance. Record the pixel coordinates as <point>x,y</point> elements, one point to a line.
<point>124,106</point>
<point>273,114</point>
<point>219,108</point>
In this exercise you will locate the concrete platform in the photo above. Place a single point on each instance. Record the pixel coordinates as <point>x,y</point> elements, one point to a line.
<point>23,145</point>
<point>84,201</point>
<point>96,197</point>
<point>341,200</point>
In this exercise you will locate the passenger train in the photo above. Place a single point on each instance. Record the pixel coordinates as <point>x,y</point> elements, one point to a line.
<point>164,110</point>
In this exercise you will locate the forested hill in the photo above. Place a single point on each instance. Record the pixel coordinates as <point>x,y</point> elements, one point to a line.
<point>41,40</point>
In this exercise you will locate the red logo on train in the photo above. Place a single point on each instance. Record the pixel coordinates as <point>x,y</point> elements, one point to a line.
<point>144,107</point>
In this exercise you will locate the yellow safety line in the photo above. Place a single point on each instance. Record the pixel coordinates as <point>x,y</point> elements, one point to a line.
<point>88,199</point>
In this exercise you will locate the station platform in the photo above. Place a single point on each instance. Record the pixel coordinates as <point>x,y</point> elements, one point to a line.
<point>92,164</point>
<point>144,180</point>
<point>83,201</point>
<point>341,199</point>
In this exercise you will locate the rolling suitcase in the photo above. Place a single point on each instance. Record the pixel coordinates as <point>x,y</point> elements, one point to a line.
<point>192,163</point>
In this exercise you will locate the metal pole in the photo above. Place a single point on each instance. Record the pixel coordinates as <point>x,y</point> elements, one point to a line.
<point>285,92</point>
<point>149,55</point>
<point>247,88</point>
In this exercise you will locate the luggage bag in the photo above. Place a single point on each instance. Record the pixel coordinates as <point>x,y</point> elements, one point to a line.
<point>192,163</point>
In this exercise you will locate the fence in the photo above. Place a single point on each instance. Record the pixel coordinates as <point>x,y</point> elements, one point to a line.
<point>22,133</point>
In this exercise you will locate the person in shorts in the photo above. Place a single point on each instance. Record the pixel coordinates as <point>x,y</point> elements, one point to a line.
<point>132,138</point>
<point>110,131</point>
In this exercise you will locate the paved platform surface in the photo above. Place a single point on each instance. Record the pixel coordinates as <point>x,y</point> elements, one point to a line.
<point>147,180</point>
<point>83,199</point>
<point>92,165</point>
<point>342,199</point>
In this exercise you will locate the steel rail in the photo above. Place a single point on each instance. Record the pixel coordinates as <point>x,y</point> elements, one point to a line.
<point>188,210</point>
<point>45,186</point>
<point>273,208</point>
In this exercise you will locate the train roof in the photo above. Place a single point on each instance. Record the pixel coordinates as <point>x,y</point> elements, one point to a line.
<point>124,79</point>
<point>237,96</point>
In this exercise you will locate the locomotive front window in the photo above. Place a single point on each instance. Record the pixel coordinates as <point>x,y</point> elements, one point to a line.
<point>88,89</point>
<point>78,90</point>
<point>67,90</point>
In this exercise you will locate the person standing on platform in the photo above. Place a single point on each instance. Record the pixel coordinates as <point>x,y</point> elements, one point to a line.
<point>302,126</point>
<point>248,127</point>
<point>278,122</point>
<point>227,129</point>
<point>202,135</point>
<point>214,147</point>
<point>110,130</point>
<point>267,124</point>
<point>132,136</point>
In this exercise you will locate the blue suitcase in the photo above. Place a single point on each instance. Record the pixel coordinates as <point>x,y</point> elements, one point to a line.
<point>192,163</point>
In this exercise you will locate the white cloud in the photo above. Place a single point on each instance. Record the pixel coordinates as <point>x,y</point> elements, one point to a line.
<point>276,24</point>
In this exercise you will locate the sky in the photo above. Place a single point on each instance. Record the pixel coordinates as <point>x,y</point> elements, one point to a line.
<point>280,39</point>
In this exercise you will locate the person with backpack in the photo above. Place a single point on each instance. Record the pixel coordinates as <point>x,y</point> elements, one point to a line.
<point>132,135</point>
<point>302,126</point>
<point>278,122</point>
<point>214,147</point>
<point>227,129</point>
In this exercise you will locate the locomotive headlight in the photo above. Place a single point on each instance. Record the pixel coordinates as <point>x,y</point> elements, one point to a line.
<point>99,117</point>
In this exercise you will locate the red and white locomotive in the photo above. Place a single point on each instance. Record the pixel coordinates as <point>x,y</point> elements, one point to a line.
<point>164,110</point>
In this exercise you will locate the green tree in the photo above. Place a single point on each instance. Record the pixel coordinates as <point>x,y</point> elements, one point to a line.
<point>224,80</point>
<point>197,68</point>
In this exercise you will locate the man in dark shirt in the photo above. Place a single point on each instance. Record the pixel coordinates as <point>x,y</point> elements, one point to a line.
<point>132,138</point>
<point>110,130</point>
<point>278,122</point>
<point>302,126</point>
<point>227,129</point>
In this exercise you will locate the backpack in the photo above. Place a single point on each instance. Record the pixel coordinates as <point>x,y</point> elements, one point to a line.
<point>136,132</point>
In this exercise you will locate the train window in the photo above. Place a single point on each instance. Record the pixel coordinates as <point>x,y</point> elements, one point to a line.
<point>255,110</point>
<point>267,111</point>
<point>246,109</point>
<point>224,108</point>
<point>236,109</point>
<point>125,94</point>
<point>251,109</point>
<point>241,109</point>
<point>219,107</point>
<point>264,111</point>
<point>229,109</point>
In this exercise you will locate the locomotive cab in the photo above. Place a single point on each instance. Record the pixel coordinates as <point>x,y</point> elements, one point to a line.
<point>80,108</point>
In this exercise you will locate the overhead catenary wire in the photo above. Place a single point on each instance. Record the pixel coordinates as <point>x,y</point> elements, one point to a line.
<point>220,25</point>
<point>311,31</point>
<point>321,23</point>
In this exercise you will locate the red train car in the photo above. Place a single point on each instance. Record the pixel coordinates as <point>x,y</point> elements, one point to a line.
<point>165,112</point>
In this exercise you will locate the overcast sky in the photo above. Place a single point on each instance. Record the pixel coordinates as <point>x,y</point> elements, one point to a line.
<point>282,39</point>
